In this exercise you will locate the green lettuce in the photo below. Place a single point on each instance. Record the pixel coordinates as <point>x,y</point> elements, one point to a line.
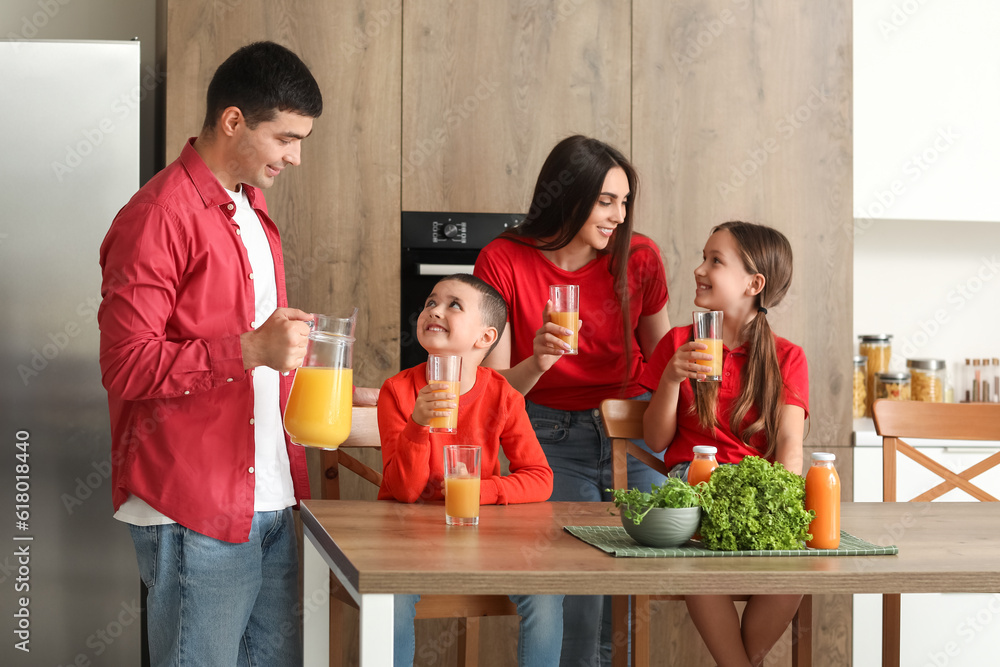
<point>754,505</point>
<point>635,504</point>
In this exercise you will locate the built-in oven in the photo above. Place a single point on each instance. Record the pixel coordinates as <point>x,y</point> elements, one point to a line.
<point>435,245</point>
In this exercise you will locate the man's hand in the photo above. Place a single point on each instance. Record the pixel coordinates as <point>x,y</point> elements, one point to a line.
<point>279,343</point>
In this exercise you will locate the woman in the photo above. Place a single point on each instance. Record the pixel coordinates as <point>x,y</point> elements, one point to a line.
<point>579,231</point>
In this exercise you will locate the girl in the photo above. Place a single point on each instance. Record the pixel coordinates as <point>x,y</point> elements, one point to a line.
<point>759,408</point>
<point>579,231</point>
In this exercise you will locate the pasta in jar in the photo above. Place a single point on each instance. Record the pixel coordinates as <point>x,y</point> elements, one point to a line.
<point>860,386</point>
<point>893,386</point>
<point>877,348</point>
<point>927,379</point>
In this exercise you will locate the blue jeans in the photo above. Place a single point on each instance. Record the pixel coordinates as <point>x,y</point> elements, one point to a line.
<point>538,642</point>
<point>216,603</point>
<point>580,456</point>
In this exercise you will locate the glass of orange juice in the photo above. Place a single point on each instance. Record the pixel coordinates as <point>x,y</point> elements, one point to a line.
<point>318,413</point>
<point>461,484</point>
<point>708,330</point>
<point>565,312</point>
<point>445,369</point>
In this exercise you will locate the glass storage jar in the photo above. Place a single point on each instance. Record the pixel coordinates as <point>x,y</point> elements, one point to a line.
<point>893,386</point>
<point>927,379</point>
<point>860,386</point>
<point>878,349</point>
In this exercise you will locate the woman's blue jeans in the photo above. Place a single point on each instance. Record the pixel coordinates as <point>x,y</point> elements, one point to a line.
<point>580,456</point>
<point>538,642</point>
<point>219,603</point>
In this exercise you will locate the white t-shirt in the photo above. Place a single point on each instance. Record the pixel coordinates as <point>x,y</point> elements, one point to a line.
<point>273,489</point>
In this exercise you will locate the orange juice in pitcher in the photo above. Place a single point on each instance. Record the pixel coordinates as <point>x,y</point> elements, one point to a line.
<point>318,413</point>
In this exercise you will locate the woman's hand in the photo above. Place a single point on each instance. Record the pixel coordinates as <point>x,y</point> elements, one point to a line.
<point>548,346</point>
<point>433,400</point>
<point>684,364</point>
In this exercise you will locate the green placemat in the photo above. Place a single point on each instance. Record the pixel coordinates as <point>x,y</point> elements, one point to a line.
<point>615,541</point>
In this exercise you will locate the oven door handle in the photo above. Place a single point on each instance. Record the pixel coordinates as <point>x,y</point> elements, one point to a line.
<point>443,269</point>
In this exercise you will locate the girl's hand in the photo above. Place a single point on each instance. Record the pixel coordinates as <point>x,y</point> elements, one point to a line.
<point>684,364</point>
<point>433,399</point>
<point>548,347</point>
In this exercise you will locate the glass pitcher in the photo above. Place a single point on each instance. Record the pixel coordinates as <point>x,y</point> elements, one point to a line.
<point>318,413</point>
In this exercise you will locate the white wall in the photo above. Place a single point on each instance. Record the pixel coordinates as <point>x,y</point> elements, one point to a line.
<point>926,94</point>
<point>934,285</point>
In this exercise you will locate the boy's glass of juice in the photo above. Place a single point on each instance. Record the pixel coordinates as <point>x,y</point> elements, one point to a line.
<point>461,484</point>
<point>566,312</point>
<point>445,369</point>
<point>708,330</point>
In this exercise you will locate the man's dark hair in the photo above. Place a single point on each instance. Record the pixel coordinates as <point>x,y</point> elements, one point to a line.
<point>492,307</point>
<point>262,79</point>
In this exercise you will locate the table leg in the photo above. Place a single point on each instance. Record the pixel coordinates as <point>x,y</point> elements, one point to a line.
<point>376,612</point>
<point>315,617</point>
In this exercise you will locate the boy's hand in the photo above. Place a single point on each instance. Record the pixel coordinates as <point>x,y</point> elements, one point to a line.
<point>432,401</point>
<point>684,364</point>
<point>548,347</point>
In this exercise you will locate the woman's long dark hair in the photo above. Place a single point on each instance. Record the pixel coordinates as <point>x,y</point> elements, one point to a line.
<point>765,251</point>
<point>569,184</point>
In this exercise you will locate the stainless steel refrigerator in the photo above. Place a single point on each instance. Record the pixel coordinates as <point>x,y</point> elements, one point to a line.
<point>69,159</point>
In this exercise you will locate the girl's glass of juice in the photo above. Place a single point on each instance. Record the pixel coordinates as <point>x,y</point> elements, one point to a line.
<point>708,330</point>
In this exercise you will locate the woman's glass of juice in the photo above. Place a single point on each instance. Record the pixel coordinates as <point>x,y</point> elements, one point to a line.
<point>565,312</point>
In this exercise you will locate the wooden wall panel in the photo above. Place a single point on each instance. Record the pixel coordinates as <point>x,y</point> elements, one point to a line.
<point>742,110</point>
<point>338,221</point>
<point>490,87</point>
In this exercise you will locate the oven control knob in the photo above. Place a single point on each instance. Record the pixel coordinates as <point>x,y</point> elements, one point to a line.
<point>450,230</point>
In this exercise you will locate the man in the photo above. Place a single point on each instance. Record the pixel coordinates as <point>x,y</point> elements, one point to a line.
<point>197,341</point>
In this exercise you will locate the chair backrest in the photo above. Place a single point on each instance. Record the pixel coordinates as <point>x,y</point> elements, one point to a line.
<point>623,423</point>
<point>364,435</point>
<point>895,420</point>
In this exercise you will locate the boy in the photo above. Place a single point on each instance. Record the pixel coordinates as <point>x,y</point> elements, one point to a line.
<point>465,316</point>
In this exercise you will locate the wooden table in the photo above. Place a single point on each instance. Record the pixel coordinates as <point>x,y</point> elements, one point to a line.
<point>377,549</point>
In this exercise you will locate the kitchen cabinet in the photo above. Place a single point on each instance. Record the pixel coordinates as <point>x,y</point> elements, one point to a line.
<point>958,630</point>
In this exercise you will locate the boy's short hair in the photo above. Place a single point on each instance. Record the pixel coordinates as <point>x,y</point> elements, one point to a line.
<point>492,307</point>
<point>262,79</point>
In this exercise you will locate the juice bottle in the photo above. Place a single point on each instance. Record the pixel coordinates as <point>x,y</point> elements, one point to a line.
<point>823,497</point>
<point>318,413</point>
<point>703,464</point>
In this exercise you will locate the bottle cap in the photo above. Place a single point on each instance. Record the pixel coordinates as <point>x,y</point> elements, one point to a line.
<point>705,449</point>
<point>823,456</point>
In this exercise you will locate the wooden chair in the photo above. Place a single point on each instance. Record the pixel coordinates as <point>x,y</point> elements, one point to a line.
<point>623,423</point>
<point>467,608</point>
<point>934,421</point>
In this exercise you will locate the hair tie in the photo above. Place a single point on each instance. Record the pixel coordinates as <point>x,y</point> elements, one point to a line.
<point>762,309</point>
